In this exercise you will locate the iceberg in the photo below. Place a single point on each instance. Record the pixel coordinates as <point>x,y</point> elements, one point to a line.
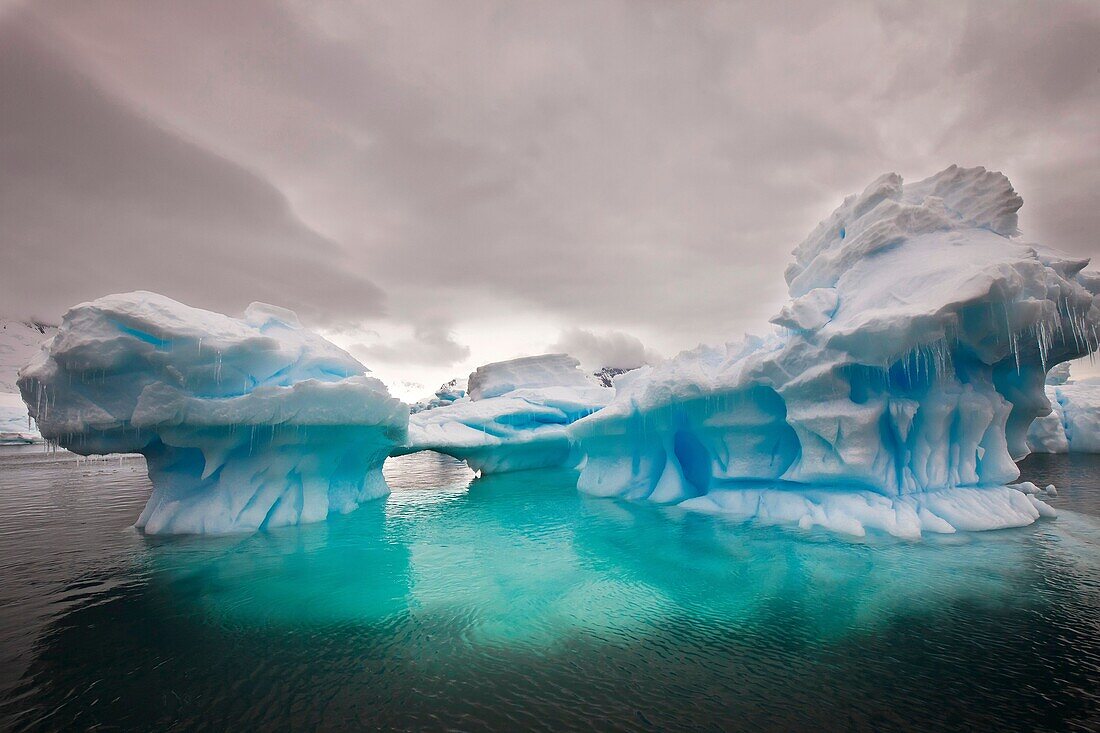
<point>1073,425</point>
<point>515,415</point>
<point>244,423</point>
<point>896,389</point>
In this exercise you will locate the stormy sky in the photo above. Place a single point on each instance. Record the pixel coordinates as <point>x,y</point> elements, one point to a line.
<point>437,185</point>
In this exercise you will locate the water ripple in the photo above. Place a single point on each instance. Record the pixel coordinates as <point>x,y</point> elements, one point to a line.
<point>515,603</point>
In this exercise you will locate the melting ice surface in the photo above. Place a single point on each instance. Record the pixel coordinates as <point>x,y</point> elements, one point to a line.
<point>513,602</point>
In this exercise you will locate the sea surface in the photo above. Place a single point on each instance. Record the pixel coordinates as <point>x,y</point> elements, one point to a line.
<point>514,603</point>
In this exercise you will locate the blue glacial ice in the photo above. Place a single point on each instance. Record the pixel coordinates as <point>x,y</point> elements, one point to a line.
<point>244,424</point>
<point>896,390</point>
<point>515,416</point>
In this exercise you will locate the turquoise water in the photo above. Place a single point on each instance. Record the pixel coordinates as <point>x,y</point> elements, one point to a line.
<point>514,603</point>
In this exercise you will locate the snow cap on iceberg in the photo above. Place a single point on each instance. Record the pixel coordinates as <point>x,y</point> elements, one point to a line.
<point>528,372</point>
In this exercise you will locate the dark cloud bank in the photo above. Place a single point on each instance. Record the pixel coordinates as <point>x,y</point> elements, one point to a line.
<point>419,168</point>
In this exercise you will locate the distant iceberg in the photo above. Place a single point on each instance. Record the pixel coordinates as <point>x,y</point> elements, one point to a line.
<point>244,424</point>
<point>514,417</point>
<point>896,391</point>
<point>1073,425</point>
<point>445,395</point>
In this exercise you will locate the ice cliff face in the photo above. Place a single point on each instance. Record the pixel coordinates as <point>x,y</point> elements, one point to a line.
<point>909,361</point>
<point>243,423</point>
<point>514,417</point>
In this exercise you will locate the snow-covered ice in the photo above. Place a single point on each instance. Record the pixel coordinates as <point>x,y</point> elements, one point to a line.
<point>1073,425</point>
<point>896,392</point>
<point>243,423</point>
<point>514,417</point>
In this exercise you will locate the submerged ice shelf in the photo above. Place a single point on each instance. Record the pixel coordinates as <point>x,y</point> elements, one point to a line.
<point>244,424</point>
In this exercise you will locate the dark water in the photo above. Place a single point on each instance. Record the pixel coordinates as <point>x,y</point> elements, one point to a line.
<point>514,603</point>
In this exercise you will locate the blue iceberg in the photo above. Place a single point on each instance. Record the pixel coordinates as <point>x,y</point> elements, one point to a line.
<point>896,390</point>
<point>244,424</point>
<point>515,416</point>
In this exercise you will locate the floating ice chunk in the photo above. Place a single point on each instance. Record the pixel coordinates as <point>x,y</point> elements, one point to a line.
<point>911,363</point>
<point>514,417</point>
<point>244,424</point>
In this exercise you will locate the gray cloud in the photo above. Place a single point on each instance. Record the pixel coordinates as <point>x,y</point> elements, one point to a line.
<point>431,344</point>
<point>97,199</point>
<point>637,167</point>
<point>612,349</point>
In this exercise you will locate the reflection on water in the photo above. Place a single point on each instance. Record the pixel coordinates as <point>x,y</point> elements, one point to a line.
<point>514,603</point>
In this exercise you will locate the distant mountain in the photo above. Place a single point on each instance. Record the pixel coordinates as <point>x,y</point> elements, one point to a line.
<point>606,376</point>
<point>19,343</point>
